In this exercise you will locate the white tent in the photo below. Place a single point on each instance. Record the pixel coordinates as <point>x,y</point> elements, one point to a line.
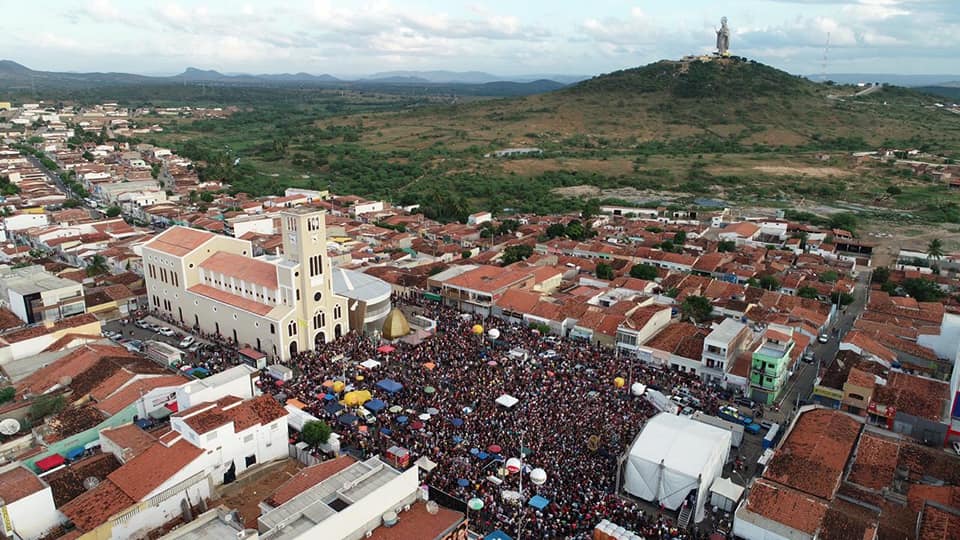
<point>507,401</point>
<point>724,494</point>
<point>370,364</point>
<point>672,456</point>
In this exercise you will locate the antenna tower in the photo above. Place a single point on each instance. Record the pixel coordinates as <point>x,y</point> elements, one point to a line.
<point>823,67</point>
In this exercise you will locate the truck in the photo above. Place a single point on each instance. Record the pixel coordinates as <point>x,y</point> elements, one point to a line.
<point>731,414</point>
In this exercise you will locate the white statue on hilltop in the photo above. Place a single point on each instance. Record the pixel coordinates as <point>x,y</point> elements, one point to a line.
<point>723,38</point>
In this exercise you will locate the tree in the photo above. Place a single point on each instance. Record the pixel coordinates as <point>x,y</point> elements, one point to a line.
<point>45,405</point>
<point>843,298</point>
<point>769,283</point>
<point>113,211</point>
<point>666,245</point>
<point>644,271</point>
<point>465,254</point>
<point>7,394</point>
<point>97,266</point>
<point>807,292</point>
<point>70,203</point>
<point>843,220</point>
<point>923,290</point>
<point>726,245</point>
<point>316,432</point>
<point>680,238</point>
<point>516,253</point>
<point>556,230</point>
<point>206,197</point>
<point>830,276</point>
<point>87,156</point>
<point>696,308</point>
<point>590,208</point>
<point>604,271</point>
<point>935,249</point>
<point>881,274</point>
<point>894,190</point>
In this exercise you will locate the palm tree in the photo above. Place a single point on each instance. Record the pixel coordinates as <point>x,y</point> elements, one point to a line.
<point>935,249</point>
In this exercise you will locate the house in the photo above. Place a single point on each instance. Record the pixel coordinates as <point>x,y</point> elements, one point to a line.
<point>479,218</point>
<point>36,295</point>
<point>773,361</point>
<point>639,326</point>
<point>26,502</point>
<point>721,347</point>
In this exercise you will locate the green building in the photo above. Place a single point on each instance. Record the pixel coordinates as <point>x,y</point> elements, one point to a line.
<point>770,368</point>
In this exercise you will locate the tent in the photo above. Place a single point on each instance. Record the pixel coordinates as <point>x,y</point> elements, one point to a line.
<point>507,401</point>
<point>75,452</point>
<point>348,419</point>
<point>672,456</point>
<point>296,418</point>
<point>390,386</point>
<point>497,535</point>
<point>370,364</point>
<point>724,494</point>
<point>333,407</point>
<point>426,464</point>
<point>538,502</point>
<point>385,349</point>
<point>375,405</point>
<point>49,462</point>
<point>357,397</point>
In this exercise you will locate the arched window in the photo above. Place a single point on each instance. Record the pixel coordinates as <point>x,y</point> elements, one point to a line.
<point>337,311</point>
<point>292,328</point>
<point>319,320</point>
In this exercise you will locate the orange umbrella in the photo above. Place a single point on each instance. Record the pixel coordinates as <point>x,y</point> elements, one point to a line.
<point>429,365</point>
<point>327,384</point>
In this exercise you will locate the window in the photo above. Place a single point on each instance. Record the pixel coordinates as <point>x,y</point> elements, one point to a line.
<point>337,311</point>
<point>248,438</point>
<point>292,328</point>
<point>316,265</point>
<point>273,330</point>
<point>317,296</point>
<point>211,436</point>
<point>319,320</point>
<point>298,295</point>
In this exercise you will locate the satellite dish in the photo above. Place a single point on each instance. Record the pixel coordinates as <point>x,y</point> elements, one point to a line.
<point>9,426</point>
<point>432,508</point>
<point>66,380</point>
<point>90,482</point>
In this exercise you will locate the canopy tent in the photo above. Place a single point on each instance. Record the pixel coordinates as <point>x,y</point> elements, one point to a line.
<point>724,494</point>
<point>370,364</point>
<point>386,349</point>
<point>160,413</point>
<point>672,456</point>
<point>538,502</point>
<point>348,419</point>
<point>497,535</point>
<point>75,452</point>
<point>296,418</point>
<point>426,464</point>
<point>50,462</point>
<point>507,401</point>
<point>333,407</point>
<point>375,405</point>
<point>390,386</point>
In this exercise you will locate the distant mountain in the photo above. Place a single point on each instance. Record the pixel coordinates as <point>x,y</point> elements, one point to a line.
<point>889,78</point>
<point>17,76</point>
<point>468,77</point>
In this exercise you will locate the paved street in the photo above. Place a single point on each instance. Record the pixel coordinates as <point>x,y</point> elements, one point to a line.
<point>802,382</point>
<point>55,179</point>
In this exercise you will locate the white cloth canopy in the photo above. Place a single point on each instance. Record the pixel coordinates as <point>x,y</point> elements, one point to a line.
<point>296,418</point>
<point>672,456</point>
<point>725,488</point>
<point>370,364</point>
<point>426,464</point>
<point>507,401</point>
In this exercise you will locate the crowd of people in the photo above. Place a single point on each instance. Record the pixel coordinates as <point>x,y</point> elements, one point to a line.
<point>570,420</point>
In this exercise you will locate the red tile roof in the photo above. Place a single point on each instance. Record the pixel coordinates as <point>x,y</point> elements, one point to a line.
<point>146,472</point>
<point>179,241</point>
<point>488,279</point>
<point>69,366</point>
<point>18,483</point>
<point>40,330</point>
<point>231,299</point>
<point>119,400</point>
<point>307,478</point>
<point>261,410</point>
<point>243,268</point>
<point>875,463</point>
<point>129,437</point>
<point>914,395</point>
<point>418,524</point>
<point>813,457</point>
<point>784,505</point>
<point>93,508</point>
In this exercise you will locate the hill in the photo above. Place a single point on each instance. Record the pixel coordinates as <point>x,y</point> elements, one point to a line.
<point>730,130</point>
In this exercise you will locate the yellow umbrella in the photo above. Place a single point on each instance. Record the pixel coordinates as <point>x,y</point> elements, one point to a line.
<point>619,382</point>
<point>338,386</point>
<point>477,329</point>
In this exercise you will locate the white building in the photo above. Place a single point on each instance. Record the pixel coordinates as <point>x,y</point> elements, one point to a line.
<point>241,225</point>
<point>278,305</point>
<point>239,381</point>
<point>36,295</point>
<point>19,222</point>
<point>26,503</point>
<point>720,349</point>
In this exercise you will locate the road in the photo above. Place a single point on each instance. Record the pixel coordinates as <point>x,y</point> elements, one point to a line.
<point>57,181</point>
<point>802,382</point>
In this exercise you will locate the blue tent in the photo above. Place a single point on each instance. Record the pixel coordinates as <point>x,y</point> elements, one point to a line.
<point>457,422</point>
<point>74,453</point>
<point>463,482</point>
<point>482,455</point>
<point>401,419</point>
<point>375,405</point>
<point>474,451</point>
<point>328,397</point>
<point>497,535</point>
<point>386,431</point>
<point>348,419</point>
<point>390,386</point>
<point>538,502</point>
<point>457,439</point>
<point>333,407</point>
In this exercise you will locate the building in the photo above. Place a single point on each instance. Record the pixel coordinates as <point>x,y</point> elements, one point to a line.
<point>475,289</point>
<point>640,326</point>
<point>355,500</point>
<point>368,299</point>
<point>36,295</point>
<point>26,502</point>
<point>772,362</point>
<point>278,305</point>
<point>721,347</point>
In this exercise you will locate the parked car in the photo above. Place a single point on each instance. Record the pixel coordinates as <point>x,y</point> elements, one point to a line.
<point>187,341</point>
<point>766,424</point>
<point>823,338</point>
<point>808,357</point>
<point>746,402</point>
<point>548,354</point>
<point>134,345</point>
<point>165,331</point>
<point>195,347</point>
<point>142,324</point>
<point>687,411</point>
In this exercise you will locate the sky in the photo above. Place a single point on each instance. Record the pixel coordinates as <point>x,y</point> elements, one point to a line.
<point>516,37</point>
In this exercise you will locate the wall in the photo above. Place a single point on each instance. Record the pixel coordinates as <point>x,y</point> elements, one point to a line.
<point>761,528</point>
<point>34,514</point>
<point>921,429</point>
